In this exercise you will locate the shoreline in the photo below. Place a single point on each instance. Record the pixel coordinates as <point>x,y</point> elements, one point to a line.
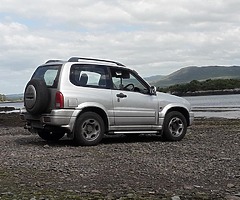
<point>199,112</point>
<point>208,93</point>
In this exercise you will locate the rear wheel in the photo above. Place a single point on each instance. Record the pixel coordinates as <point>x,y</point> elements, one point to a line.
<point>175,126</point>
<point>89,129</point>
<point>51,135</point>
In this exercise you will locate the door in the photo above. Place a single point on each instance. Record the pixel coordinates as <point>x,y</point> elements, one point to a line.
<point>92,88</point>
<point>132,102</point>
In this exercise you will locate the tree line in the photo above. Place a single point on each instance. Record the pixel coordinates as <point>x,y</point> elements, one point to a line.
<point>207,85</point>
<point>2,97</point>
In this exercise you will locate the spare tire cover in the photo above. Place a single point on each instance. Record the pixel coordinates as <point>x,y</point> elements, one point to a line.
<point>36,96</point>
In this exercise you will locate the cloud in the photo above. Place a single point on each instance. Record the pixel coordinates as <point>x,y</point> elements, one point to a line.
<point>153,37</point>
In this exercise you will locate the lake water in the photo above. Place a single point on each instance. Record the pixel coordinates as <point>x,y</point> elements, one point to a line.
<point>16,105</point>
<point>224,106</point>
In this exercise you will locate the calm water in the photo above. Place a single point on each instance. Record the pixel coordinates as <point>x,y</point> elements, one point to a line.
<point>225,106</point>
<point>15,105</point>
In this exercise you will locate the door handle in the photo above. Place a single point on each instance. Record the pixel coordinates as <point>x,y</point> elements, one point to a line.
<point>121,95</point>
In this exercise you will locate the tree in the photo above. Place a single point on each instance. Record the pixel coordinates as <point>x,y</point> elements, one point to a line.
<point>195,85</point>
<point>2,97</point>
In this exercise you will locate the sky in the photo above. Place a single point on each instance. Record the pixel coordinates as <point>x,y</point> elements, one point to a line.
<point>154,37</point>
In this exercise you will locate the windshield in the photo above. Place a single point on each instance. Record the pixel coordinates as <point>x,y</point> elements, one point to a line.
<point>48,73</point>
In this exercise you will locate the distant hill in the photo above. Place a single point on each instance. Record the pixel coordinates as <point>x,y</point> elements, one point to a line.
<point>188,74</point>
<point>155,78</point>
<point>14,97</point>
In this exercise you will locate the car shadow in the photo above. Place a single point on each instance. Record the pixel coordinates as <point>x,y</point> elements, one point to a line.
<point>145,138</point>
<point>107,140</point>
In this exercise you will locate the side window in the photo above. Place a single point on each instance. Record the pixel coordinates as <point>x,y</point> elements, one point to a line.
<point>125,80</point>
<point>89,76</point>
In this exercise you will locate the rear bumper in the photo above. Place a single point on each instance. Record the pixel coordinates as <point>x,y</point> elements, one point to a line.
<point>62,118</point>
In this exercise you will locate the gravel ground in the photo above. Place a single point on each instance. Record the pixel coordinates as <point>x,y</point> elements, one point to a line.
<point>204,165</point>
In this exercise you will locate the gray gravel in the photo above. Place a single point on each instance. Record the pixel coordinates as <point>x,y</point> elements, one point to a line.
<point>204,165</point>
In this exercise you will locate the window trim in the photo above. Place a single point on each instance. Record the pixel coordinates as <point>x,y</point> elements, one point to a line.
<point>56,80</point>
<point>103,67</point>
<point>133,73</point>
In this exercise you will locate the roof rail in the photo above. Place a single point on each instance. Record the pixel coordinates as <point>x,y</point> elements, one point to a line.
<point>76,59</point>
<point>49,61</point>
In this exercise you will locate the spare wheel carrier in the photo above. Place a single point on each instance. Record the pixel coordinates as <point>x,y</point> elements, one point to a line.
<point>36,96</point>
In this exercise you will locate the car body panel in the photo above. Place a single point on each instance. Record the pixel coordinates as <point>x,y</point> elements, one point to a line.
<point>135,108</point>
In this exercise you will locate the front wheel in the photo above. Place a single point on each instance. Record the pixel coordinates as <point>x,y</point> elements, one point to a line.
<point>89,129</point>
<point>175,126</point>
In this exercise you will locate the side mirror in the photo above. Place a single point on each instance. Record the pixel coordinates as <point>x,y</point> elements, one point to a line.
<point>153,90</point>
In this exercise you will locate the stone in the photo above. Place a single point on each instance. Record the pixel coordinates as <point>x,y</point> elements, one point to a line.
<point>237,194</point>
<point>96,191</point>
<point>229,197</point>
<point>188,187</point>
<point>230,185</point>
<point>175,198</point>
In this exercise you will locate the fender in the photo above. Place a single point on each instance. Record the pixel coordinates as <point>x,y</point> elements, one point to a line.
<point>171,106</point>
<point>86,105</point>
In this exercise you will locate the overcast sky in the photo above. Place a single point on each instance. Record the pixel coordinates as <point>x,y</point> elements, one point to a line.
<point>154,37</point>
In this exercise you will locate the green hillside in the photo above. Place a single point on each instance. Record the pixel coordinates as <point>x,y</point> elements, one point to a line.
<point>11,97</point>
<point>155,78</point>
<point>188,74</point>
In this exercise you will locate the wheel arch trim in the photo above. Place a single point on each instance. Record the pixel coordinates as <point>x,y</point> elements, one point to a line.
<point>175,107</point>
<point>93,107</point>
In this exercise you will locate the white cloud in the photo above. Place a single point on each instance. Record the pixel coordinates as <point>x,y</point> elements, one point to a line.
<point>153,37</point>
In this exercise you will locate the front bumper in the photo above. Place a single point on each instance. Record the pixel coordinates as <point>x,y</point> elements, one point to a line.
<point>191,118</point>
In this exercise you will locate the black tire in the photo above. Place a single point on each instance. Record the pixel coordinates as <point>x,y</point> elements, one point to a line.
<point>89,129</point>
<point>36,96</point>
<point>174,127</point>
<point>51,135</point>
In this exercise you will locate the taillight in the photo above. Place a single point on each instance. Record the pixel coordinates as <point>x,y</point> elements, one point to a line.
<point>59,100</point>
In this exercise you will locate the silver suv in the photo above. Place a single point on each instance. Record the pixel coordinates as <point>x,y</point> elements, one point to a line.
<point>86,98</point>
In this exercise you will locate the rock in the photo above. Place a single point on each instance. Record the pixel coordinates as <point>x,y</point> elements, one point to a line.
<point>198,186</point>
<point>175,198</point>
<point>229,197</point>
<point>151,192</point>
<point>130,195</point>
<point>7,193</point>
<point>96,191</point>
<point>188,187</point>
<point>38,184</point>
<point>230,185</point>
<point>238,194</point>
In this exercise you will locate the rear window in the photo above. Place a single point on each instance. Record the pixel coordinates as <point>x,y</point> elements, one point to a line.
<point>49,74</point>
